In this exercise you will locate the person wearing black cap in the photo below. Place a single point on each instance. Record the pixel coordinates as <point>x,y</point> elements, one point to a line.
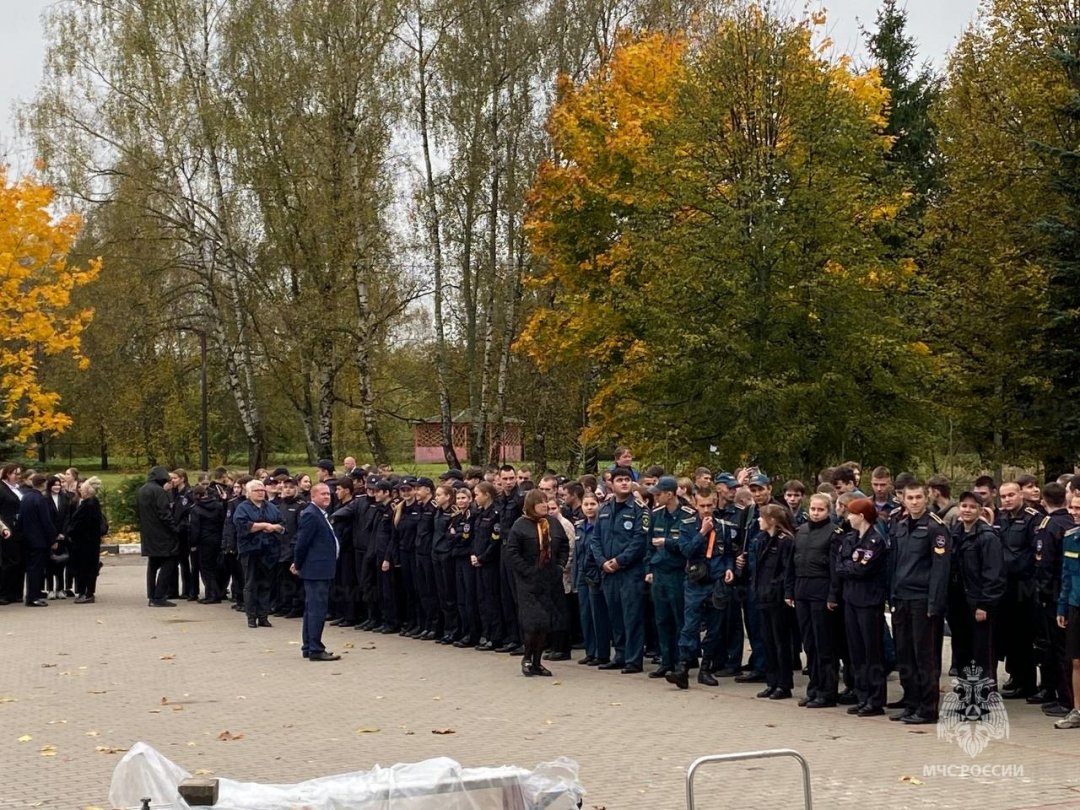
<point>367,561</point>
<point>813,562</point>
<point>665,569</point>
<point>977,550</point>
<point>861,580</point>
<point>759,486</point>
<point>345,590</point>
<point>920,563</point>
<point>486,556</point>
<point>1054,667</point>
<point>407,515</point>
<point>621,541</point>
<point>381,538</point>
<point>1015,523</point>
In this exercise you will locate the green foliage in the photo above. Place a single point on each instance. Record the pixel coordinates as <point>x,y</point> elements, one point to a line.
<point>119,503</point>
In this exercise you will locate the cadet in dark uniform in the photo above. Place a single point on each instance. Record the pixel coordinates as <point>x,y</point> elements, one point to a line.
<point>381,538</point>
<point>710,570</point>
<point>1068,618</point>
<point>465,583</point>
<point>1050,644</point>
<point>426,590</point>
<point>732,637</point>
<point>919,563</point>
<point>861,574</point>
<point>813,561</point>
<point>773,585</point>
<point>509,503</point>
<point>1015,524</point>
<point>345,590</point>
<point>407,516</point>
<point>665,569</point>
<point>595,625</point>
<point>486,557</point>
<point>442,560</point>
<point>287,590</point>
<point>620,540</point>
<point>977,552</point>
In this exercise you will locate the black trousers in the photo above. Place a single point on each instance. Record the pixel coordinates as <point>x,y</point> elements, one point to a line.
<point>406,581</point>
<point>508,602</point>
<point>208,570</point>
<point>1017,615</point>
<point>447,595</point>
<point>1055,667</point>
<point>960,620</point>
<point>776,633</point>
<point>816,626</point>
<point>189,582</point>
<point>367,575</point>
<point>257,576</point>
<point>843,655</point>
<point>918,654</point>
<point>160,577</point>
<point>85,564</point>
<point>347,598</point>
<point>982,643</point>
<point>12,569</point>
<point>866,643</point>
<point>428,593</point>
<point>465,584</point>
<point>490,605</point>
<point>37,560</point>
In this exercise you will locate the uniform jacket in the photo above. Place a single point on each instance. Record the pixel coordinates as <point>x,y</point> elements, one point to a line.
<point>1070,572</point>
<point>861,569</point>
<point>486,535</point>
<point>621,533</point>
<point>1048,535</point>
<point>441,546</point>
<point>586,568</point>
<point>774,575</point>
<point>694,546</point>
<point>316,550</point>
<point>979,557</point>
<point>919,560</point>
<point>244,517</point>
<point>425,530</point>
<point>342,519</point>
<point>671,526</point>
<point>460,533</point>
<point>157,531</point>
<point>290,509</point>
<point>1017,533</point>
<point>205,522</point>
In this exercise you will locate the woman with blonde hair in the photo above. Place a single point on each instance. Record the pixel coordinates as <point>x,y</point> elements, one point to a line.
<point>86,528</point>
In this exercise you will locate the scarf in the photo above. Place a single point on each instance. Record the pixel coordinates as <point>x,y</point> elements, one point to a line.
<point>544,531</point>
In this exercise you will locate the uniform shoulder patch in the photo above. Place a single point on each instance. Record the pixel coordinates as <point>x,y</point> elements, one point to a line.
<point>687,510</point>
<point>1031,511</point>
<point>838,530</point>
<point>657,509</point>
<point>1044,522</point>
<point>937,519</point>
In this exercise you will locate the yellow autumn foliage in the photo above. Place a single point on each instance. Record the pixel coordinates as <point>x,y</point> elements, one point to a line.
<point>36,317</point>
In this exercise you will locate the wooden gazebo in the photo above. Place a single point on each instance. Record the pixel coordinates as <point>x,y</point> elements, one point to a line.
<point>427,441</point>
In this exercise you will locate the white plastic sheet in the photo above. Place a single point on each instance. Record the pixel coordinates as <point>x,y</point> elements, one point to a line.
<point>434,784</point>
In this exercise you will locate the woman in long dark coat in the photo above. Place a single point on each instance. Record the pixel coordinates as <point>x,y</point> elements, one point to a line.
<point>538,550</point>
<point>85,530</point>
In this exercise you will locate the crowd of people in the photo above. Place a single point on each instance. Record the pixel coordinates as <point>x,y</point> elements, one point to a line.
<point>625,566</point>
<point>51,527</point>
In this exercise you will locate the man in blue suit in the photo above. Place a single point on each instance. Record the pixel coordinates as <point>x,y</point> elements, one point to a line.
<point>315,561</point>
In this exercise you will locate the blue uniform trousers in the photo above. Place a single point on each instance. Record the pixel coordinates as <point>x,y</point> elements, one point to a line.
<point>624,592</point>
<point>668,609</point>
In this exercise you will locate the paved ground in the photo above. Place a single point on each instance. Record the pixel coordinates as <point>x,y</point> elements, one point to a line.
<point>87,678</point>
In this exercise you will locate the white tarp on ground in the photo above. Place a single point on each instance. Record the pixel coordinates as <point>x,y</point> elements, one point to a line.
<point>434,784</point>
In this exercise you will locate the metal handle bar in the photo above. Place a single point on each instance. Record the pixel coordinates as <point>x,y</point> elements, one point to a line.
<point>748,755</point>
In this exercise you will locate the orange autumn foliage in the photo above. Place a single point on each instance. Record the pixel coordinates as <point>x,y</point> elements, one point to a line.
<point>36,320</point>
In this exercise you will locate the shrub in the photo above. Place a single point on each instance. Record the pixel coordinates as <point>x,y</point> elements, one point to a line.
<point>119,502</point>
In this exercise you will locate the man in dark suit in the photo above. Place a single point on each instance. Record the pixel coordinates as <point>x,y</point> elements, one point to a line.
<point>39,535</point>
<point>315,562</point>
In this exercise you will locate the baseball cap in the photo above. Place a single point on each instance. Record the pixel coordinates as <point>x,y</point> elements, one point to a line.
<point>666,483</point>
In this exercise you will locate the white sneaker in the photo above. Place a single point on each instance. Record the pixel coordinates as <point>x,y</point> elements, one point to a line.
<point>52,594</point>
<point>61,595</point>
<point>1071,720</point>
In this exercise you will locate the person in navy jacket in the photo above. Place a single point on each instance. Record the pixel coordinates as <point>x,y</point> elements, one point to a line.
<point>39,536</point>
<point>315,562</point>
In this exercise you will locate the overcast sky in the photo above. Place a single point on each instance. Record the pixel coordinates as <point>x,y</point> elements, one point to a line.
<point>935,24</point>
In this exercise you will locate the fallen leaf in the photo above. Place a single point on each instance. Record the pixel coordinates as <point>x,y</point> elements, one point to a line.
<point>437,697</point>
<point>164,701</point>
<point>177,708</point>
<point>294,643</point>
<point>549,722</point>
<point>349,645</point>
<point>91,734</point>
<point>910,780</point>
<point>226,736</point>
<point>8,700</point>
<point>47,666</point>
<point>367,729</point>
<point>25,738</point>
<point>57,723</point>
<point>48,750</point>
<point>101,621</point>
<point>97,691</point>
<point>190,743</point>
<point>106,749</point>
<point>168,656</point>
<point>616,703</point>
<point>203,772</point>
<point>443,731</point>
<point>91,807</point>
<point>556,683</point>
<point>409,733</point>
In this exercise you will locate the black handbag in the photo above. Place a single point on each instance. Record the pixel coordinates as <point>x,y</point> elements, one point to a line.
<point>697,573</point>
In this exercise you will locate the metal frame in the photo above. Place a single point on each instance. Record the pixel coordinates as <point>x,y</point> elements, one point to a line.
<point>748,755</point>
